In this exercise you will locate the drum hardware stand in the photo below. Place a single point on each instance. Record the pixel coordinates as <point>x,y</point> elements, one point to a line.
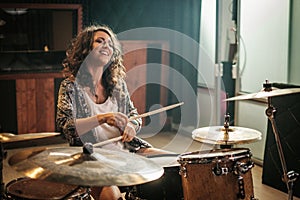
<point>132,193</point>
<point>226,128</point>
<point>290,177</point>
<point>226,133</point>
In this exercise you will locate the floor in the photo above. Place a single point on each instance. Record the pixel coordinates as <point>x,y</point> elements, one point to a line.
<point>178,143</point>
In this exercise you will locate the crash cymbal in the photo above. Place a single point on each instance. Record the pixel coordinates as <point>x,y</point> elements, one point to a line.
<point>216,135</point>
<point>265,94</point>
<point>10,137</point>
<point>72,166</point>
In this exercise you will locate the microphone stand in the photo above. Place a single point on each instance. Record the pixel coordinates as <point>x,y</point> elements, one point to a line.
<point>288,177</point>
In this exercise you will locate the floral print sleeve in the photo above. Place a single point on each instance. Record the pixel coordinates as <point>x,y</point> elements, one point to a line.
<point>65,118</point>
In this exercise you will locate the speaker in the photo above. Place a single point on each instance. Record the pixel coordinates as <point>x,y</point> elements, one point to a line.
<point>287,118</point>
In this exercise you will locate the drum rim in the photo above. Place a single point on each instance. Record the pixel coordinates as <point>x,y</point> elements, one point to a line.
<point>229,154</point>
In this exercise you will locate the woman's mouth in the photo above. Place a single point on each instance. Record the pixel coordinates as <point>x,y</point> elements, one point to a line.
<point>103,52</point>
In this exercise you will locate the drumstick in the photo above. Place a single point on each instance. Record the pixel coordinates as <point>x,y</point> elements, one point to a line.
<point>116,139</point>
<point>136,117</point>
<point>155,111</point>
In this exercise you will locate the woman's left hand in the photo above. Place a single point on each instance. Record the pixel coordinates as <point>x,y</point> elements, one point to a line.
<point>129,133</point>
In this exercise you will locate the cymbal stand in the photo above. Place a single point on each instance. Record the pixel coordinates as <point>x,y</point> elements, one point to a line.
<point>226,132</point>
<point>226,126</point>
<point>288,177</point>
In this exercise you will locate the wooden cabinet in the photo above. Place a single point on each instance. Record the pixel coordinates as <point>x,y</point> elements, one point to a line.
<point>35,101</point>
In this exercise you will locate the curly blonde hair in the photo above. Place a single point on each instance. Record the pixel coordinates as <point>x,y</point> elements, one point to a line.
<point>79,49</point>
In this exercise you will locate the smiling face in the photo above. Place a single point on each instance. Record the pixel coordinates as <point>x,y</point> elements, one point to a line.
<point>103,47</point>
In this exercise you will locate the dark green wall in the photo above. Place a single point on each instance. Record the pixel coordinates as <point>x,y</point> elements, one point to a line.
<point>121,15</point>
<point>177,15</point>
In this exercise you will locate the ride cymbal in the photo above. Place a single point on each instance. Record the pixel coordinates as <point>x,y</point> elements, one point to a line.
<point>73,166</point>
<point>265,94</point>
<point>10,137</point>
<point>217,135</point>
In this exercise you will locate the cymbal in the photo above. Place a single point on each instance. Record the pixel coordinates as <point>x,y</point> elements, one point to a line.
<point>72,166</point>
<point>10,137</point>
<point>216,135</point>
<point>264,94</point>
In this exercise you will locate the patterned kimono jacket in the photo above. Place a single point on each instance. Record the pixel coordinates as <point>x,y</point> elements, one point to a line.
<point>72,105</point>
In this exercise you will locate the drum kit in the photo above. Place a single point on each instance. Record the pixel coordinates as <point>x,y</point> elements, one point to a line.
<point>221,173</point>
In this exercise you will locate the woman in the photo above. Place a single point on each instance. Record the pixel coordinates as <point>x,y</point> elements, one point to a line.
<point>93,103</point>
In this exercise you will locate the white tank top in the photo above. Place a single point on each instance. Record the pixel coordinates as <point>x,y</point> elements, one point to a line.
<point>105,131</point>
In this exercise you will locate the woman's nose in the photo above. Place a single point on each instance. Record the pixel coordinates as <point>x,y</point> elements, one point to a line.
<point>105,44</point>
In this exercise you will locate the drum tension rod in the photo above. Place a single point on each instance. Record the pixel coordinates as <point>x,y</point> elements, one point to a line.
<point>241,194</point>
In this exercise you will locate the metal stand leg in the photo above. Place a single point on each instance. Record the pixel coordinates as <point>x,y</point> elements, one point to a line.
<point>288,177</point>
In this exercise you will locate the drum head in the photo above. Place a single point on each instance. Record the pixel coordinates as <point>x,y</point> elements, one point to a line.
<point>38,189</point>
<point>165,160</point>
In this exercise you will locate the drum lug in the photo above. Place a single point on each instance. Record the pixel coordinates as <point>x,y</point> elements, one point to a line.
<point>242,168</point>
<point>182,171</point>
<point>217,170</point>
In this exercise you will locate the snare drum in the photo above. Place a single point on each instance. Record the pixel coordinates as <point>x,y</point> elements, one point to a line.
<point>167,187</point>
<point>217,174</point>
<point>26,189</point>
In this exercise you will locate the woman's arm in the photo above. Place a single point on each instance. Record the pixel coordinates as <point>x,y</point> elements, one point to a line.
<point>118,120</point>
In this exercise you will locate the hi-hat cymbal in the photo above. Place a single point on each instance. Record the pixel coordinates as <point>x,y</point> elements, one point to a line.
<point>265,94</point>
<point>72,166</point>
<point>216,135</point>
<point>10,137</point>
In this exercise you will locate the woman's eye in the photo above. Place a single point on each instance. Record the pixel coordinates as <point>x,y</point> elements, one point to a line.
<point>103,42</point>
<point>100,41</point>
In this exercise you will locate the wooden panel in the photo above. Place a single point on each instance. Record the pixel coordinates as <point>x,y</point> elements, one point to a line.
<point>31,105</point>
<point>45,105</point>
<point>26,105</point>
<point>35,102</point>
<point>21,105</point>
<point>164,75</point>
<point>136,56</point>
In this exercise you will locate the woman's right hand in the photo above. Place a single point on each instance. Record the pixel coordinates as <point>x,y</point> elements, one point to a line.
<point>116,119</point>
